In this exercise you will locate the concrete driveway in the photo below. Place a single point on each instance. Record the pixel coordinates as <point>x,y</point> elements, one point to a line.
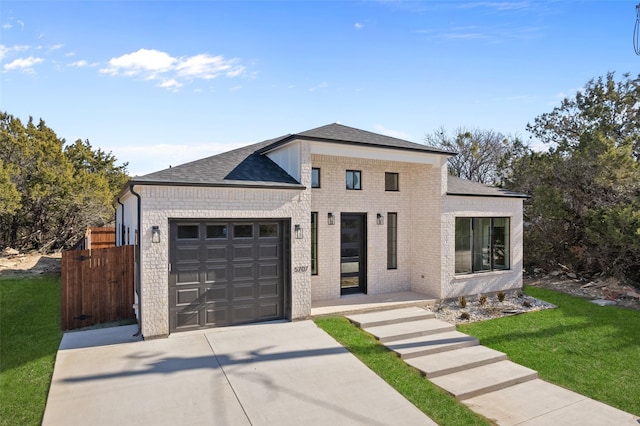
<point>278,373</point>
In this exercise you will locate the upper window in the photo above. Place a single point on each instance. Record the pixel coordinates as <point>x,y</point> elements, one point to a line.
<point>353,179</point>
<point>315,177</point>
<point>391,182</point>
<point>482,244</point>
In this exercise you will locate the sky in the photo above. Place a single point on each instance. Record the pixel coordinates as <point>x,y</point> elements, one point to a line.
<point>160,83</point>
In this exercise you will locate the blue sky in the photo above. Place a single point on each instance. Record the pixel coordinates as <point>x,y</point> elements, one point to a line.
<point>159,83</point>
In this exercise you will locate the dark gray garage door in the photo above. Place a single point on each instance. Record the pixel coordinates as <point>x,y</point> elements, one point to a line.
<point>225,273</point>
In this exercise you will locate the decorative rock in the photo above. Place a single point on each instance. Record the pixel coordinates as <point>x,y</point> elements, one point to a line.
<point>10,252</point>
<point>572,275</point>
<point>555,273</point>
<point>602,302</point>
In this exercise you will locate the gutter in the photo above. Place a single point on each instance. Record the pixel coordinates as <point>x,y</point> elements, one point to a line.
<point>137,257</point>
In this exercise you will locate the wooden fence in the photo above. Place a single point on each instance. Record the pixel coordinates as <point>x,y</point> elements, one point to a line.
<point>97,286</point>
<point>97,238</point>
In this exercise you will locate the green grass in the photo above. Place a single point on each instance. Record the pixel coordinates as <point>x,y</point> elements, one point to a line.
<point>438,405</point>
<point>29,339</point>
<point>589,349</point>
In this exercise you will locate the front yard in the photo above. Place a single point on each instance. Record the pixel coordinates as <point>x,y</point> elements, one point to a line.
<point>30,336</point>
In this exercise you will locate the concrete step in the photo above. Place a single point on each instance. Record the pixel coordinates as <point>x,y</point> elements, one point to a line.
<point>390,316</point>
<point>487,378</point>
<point>443,363</point>
<point>407,330</point>
<point>431,344</point>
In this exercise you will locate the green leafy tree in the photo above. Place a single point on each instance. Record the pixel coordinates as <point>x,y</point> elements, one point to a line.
<point>52,192</point>
<point>586,187</point>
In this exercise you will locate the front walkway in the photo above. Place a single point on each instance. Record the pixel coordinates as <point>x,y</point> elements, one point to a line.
<point>482,378</point>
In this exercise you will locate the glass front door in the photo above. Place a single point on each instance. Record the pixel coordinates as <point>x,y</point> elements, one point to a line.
<point>353,253</point>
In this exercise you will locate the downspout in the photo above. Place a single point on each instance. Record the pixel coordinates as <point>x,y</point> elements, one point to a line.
<point>137,257</point>
<point>119,231</point>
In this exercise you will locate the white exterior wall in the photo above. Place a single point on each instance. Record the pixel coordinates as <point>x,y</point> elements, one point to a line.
<point>484,282</point>
<point>130,219</point>
<point>288,158</point>
<point>162,203</point>
<point>420,188</point>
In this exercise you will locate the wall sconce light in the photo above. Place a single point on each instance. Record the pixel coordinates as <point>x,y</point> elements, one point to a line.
<point>331,219</point>
<point>298,232</point>
<point>380,219</point>
<point>155,234</point>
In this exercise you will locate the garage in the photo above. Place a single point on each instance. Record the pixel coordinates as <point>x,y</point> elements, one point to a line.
<point>226,272</point>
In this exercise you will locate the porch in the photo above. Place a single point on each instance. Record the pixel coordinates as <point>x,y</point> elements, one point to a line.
<point>369,302</point>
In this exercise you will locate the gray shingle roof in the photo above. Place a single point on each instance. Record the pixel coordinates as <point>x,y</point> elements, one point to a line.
<point>240,167</point>
<point>459,186</point>
<point>339,133</point>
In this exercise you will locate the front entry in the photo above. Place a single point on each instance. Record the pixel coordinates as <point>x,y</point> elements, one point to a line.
<point>353,254</point>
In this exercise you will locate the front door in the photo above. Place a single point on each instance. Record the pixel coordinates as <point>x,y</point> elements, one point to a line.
<point>353,256</point>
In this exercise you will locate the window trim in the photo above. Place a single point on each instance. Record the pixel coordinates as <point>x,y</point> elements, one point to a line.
<point>319,177</point>
<point>359,172</point>
<point>397,181</point>
<point>473,255</point>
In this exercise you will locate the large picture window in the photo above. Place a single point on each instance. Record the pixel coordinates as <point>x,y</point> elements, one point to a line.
<point>482,244</point>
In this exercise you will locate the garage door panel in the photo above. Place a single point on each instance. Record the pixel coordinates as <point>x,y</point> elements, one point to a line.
<point>188,277</point>
<point>187,296</point>
<point>217,294</point>
<point>188,255</point>
<point>216,274</point>
<point>268,251</point>
<point>225,273</point>
<point>216,254</point>
<point>268,270</point>
<point>243,251</point>
<point>187,319</point>
<point>268,289</point>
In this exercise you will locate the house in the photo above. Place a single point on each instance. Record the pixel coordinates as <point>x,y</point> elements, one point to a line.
<point>260,232</point>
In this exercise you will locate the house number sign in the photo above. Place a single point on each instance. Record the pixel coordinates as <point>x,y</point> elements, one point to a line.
<point>301,268</point>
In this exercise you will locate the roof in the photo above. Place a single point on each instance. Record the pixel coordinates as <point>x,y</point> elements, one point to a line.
<point>240,167</point>
<point>338,133</point>
<point>249,167</point>
<point>464,187</point>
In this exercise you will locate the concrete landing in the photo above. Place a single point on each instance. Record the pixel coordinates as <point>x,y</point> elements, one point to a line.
<point>487,378</point>
<point>407,330</point>
<point>392,316</point>
<point>453,361</point>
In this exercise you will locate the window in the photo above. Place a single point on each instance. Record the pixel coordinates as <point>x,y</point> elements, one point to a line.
<point>391,182</point>
<point>353,179</point>
<point>216,231</point>
<point>314,243</point>
<point>482,244</point>
<point>268,230</point>
<point>392,240</point>
<point>315,177</point>
<point>188,232</point>
<point>242,231</point>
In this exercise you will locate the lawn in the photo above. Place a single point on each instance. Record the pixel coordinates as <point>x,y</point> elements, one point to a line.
<point>438,405</point>
<point>589,349</point>
<point>29,335</point>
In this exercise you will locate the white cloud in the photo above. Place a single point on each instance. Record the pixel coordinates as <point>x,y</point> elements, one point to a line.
<point>235,88</point>
<point>358,25</point>
<point>393,133</point>
<point>7,26</point>
<point>23,64</point>
<point>82,63</point>
<point>151,64</point>
<point>322,85</point>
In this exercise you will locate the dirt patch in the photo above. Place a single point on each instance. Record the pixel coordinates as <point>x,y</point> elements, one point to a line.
<point>29,264</point>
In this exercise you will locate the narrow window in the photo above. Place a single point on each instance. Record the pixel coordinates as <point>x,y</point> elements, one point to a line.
<point>392,240</point>
<point>353,179</point>
<point>500,239</point>
<point>391,182</point>
<point>315,177</point>
<point>463,245</point>
<point>314,243</point>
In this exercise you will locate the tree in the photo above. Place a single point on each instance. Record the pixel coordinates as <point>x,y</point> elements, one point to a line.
<point>50,193</point>
<point>481,153</point>
<point>586,188</point>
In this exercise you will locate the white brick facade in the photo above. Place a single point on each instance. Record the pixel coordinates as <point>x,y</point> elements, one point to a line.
<point>425,234</point>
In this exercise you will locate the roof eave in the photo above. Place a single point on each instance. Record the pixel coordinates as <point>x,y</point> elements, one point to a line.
<point>459,194</point>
